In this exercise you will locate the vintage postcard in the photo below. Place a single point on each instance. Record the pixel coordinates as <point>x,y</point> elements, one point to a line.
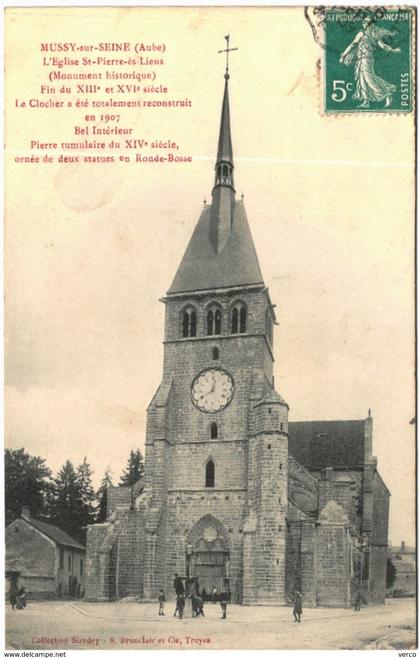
<point>210,328</point>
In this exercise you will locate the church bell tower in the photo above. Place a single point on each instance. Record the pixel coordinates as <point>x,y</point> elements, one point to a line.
<point>215,494</point>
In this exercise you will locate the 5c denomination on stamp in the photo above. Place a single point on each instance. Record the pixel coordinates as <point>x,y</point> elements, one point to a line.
<point>368,60</point>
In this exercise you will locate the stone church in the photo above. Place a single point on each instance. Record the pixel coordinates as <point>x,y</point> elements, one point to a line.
<point>232,489</point>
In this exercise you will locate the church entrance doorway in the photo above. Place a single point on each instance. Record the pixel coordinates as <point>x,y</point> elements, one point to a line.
<point>211,564</point>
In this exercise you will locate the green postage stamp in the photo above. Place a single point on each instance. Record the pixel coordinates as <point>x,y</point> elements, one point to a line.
<point>368,59</point>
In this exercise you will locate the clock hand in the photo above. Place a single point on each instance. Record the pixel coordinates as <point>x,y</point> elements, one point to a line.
<point>214,384</point>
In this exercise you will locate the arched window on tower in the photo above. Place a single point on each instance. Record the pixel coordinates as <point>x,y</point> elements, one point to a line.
<point>218,322</point>
<point>189,322</point>
<point>214,321</point>
<point>214,431</point>
<point>210,321</point>
<point>238,319</point>
<point>215,353</point>
<point>242,320</point>
<point>235,323</point>
<point>210,474</point>
<point>185,324</point>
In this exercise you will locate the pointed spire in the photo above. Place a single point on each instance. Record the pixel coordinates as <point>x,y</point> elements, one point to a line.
<point>223,194</point>
<point>221,252</point>
<point>224,150</point>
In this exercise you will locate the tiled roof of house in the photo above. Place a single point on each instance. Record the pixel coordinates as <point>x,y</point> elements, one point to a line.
<point>54,533</point>
<point>337,443</point>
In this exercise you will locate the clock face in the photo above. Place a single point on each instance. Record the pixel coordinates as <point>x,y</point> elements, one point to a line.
<point>212,390</point>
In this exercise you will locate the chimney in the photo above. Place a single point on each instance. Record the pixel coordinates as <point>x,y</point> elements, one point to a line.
<point>402,546</point>
<point>26,512</point>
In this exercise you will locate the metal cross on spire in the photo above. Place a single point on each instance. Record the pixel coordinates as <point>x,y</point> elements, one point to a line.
<point>227,50</point>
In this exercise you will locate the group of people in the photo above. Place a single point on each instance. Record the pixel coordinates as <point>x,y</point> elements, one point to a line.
<point>18,599</point>
<point>197,598</point>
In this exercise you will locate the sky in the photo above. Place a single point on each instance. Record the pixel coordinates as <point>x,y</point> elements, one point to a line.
<point>90,249</point>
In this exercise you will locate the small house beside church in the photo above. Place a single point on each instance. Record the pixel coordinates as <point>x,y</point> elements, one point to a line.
<point>43,558</point>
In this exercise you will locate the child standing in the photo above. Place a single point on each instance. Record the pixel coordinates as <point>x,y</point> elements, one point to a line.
<point>161,600</point>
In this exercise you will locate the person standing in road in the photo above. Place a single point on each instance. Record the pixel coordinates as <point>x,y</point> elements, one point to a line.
<point>180,604</point>
<point>179,593</point>
<point>161,599</point>
<point>297,606</point>
<point>223,598</point>
<point>357,602</point>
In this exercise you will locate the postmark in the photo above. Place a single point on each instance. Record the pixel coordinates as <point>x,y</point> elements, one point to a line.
<point>368,60</point>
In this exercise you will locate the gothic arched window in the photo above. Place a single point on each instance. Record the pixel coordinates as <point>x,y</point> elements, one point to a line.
<point>210,322</point>
<point>242,320</point>
<point>234,327</point>
<point>214,431</point>
<point>214,321</point>
<point>215,353</point>
<point>238,319</point>
<point>210,474</point>
<point>189,322</point>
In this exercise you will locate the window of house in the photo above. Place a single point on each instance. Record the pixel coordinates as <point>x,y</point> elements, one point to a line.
<point>61,558</point>
<point>189,323</point>
<point>69,562</point>
<point>214,431</point>
<point>210,474</point>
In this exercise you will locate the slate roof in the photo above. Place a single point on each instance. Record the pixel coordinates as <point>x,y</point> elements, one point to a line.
<point>202,268</point>
<point>224,147</point>
<point>318,444</point>
<point>54,533</point>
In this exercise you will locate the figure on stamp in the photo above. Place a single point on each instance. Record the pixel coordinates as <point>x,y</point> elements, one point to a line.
<point>361,53</point>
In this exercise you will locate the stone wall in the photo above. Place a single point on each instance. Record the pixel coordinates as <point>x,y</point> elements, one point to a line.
<point>117,497</point>
<point>93,577</point>
<point>293,558</point>
<point>379,541</point>
<point>332,566</point>
<point>265,573</point>
<point>130,555</point>
<point>319,556</point>
<point>308,567</point>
